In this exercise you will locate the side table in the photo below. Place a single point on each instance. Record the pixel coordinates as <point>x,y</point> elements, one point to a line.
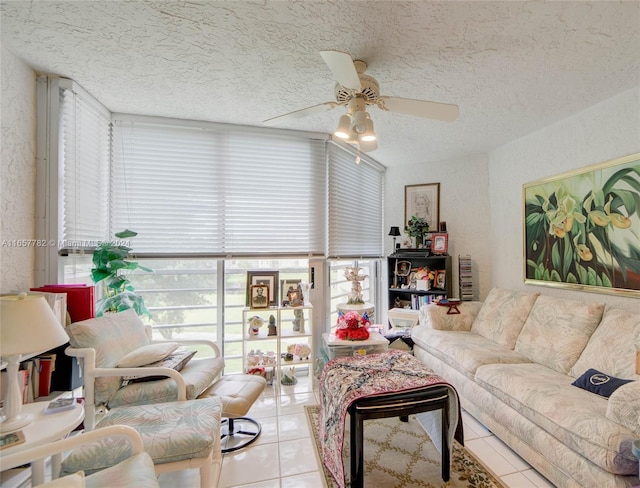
<point>43,429</point>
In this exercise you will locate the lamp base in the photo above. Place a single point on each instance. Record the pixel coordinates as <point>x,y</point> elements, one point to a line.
<point>17,423</point>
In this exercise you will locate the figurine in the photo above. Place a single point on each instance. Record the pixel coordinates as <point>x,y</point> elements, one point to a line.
<point>289,376</point>
<point>255,323</point>
<point>353,275</point>
<point>298,321</point>
<point>272,326</point>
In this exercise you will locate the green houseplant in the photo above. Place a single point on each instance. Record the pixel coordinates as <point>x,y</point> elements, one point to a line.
<point>417,227</point>
<point>110,267</point>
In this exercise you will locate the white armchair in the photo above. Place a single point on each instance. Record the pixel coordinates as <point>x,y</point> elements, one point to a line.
<point>137,470</point>
<point>102,343</point>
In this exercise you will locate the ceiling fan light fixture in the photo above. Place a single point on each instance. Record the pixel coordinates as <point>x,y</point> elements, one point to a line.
<point>359,121</point>
<point>369,134</point>
<point>344,127</point>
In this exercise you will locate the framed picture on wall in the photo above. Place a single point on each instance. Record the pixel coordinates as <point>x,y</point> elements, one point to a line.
<point>439,243</point>
<point>269,278</point>
<point>423,201</point>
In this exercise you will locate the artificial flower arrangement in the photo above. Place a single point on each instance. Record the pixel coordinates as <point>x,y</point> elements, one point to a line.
<point>353,327</point>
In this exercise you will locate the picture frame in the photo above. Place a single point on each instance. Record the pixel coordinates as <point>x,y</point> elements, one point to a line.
<point>259,296</point>
<point>261,277</point>
<point>580,229</point>
<point>423,201</point>
<point>439,243</point>
<point>440,281</point>
<point>285,285</point>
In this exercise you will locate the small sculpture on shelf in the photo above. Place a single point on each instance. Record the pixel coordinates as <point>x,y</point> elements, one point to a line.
<point>255,323</point>
<point>298,321</point>
<point>289,376</point>
<point>353,274</point>
<point>301,350</point>
<point>273,330</point>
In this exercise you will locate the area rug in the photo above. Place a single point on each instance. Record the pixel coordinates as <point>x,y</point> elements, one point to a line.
<point>401,455</point>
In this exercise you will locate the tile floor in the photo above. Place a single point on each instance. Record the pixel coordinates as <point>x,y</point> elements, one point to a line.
<point>284,455</point>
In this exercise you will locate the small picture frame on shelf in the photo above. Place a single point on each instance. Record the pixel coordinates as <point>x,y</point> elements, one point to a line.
<point>269,278</point>
<point>286,286</point>
<point>259,296</point>
<point>440,280</point>
<point>439,243</point>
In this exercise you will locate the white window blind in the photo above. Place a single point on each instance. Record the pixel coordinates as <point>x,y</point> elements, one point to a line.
<point>206,189</point>
<point>356,205</point>
<point>86,130</point>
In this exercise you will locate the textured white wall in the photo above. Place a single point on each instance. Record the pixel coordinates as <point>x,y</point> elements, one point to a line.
<point>464,206</point>
<point>605,131</point>
<point>17,171</point>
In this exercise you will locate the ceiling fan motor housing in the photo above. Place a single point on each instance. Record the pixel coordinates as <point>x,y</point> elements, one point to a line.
<point>370,90</point>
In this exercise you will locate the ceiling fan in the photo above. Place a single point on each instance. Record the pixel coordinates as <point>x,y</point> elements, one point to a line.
<point>355,90</point>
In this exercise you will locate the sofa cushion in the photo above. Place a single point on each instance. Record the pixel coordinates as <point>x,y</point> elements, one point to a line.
<point>463,351</point>
<point>557,331</point>
<point>112,336</point>
<point>436,317</point>
<point>574,416</point>
<point>502,316</point>
<point>599,383</point>
<point>612,347</point>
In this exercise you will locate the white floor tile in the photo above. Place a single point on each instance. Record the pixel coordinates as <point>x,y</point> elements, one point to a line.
<point>506,452</point>
<point>297,457</point>
<point>472,428</point>
<point>289,404</point>
<point>490,457</point>
<point>517,480</point>
<point>250,465</point>
<point>306,480</point>
<point>275,483</point>
<point>269,432</point>
<point>293,426</point>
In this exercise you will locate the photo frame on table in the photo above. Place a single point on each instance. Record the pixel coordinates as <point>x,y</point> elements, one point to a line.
<point>259,297</point>
<point>423,201</point>
<point>581,229</point>
<point>269,278</point>
<point>286,286</point>
<point>439,243</point>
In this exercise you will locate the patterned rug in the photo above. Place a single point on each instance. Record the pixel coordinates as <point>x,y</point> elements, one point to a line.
<point>401,455</point>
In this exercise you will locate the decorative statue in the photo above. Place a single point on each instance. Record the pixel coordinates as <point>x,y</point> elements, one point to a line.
<point>298,321</point>
<point>255,323</point>
<point>353,275</point>
<point>272,326</point>
<point>289,376</point>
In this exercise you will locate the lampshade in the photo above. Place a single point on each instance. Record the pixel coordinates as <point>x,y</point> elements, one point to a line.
<point>344,127</point>
<point>369,134</point>
<point>395,231</point>
<point>28,326</point>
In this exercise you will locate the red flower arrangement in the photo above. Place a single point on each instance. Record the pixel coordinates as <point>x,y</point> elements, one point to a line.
<point>353,327</point>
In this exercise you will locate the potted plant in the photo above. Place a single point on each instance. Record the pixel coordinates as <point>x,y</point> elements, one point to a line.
<point>110,265</point>
<point>417,227</point>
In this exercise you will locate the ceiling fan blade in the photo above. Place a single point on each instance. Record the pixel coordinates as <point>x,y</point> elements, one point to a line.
<point>419,108</point>
<point>343,69</point>
<point>298,114</point>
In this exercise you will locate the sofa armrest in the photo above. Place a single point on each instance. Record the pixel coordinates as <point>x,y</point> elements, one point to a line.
<point>623,406</point>
<point>195,342</point>
<point>436,317</point>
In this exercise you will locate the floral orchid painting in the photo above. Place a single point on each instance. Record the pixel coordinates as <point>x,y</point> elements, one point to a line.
<point>583,229</point>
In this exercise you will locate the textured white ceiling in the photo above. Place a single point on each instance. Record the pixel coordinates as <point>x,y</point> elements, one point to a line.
<point>512,67</point>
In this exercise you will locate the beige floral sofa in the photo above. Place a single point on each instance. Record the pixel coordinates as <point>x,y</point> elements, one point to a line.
<point>513,359</point>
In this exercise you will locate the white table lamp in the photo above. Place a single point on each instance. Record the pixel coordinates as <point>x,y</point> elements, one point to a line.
<point>28,326</point>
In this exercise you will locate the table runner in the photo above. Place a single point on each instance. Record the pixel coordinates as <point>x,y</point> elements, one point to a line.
<point>346,379</point>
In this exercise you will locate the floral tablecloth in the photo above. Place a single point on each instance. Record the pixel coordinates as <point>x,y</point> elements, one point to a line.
<point>346,379</point>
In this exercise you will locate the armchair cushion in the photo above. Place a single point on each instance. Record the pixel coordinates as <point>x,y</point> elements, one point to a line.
<point>623,407</point>
<point>75,480</point>
<point>177,360</point>
<point>151,353</point>
<point>198,374</point>
<point>112,336</point>
<point>137,471</point>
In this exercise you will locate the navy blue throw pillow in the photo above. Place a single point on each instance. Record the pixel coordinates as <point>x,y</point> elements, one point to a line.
<point>601,384</point>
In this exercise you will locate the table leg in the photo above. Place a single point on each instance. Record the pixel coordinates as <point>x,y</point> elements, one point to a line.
<point>446,458</point>
<point>357,450</point>
<point>56,465</point>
